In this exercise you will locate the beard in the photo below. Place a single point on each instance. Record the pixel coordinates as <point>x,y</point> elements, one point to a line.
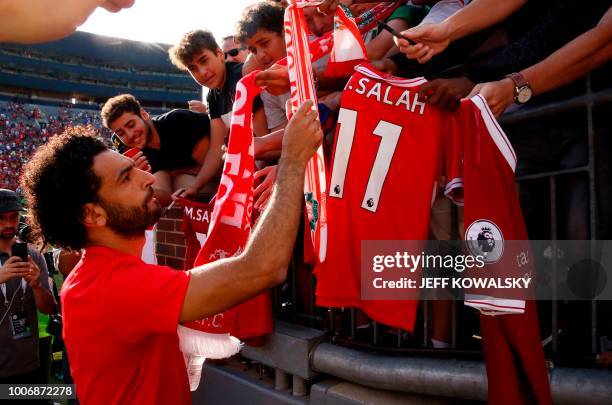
<point>132,221</point>
<point>8,233</point>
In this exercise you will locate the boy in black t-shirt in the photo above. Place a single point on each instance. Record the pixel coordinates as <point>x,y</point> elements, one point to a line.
<point>198,53</point>
<point>176,146</point>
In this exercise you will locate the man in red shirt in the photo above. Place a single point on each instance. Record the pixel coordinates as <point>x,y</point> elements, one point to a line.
<point>120,314</point>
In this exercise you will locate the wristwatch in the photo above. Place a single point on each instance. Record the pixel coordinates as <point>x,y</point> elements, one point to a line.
<point>522,89</point>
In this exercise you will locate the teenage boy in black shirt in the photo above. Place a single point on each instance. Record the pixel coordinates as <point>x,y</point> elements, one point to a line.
<point>177,145</point>
<point>198,53</point>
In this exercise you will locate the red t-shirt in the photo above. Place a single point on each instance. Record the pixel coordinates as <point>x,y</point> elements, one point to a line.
<point>120,320</point>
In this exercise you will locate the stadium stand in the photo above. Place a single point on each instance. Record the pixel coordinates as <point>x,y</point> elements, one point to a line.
<point>93,68</point>
<point>47,86</point>
<point>24,127</point>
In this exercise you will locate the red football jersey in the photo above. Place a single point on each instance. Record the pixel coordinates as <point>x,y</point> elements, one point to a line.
<point>494,225</point>
<point>196,219</point>
<point>385,168</point>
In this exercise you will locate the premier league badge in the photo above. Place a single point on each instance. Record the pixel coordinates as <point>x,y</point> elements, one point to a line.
<point>485,239</point>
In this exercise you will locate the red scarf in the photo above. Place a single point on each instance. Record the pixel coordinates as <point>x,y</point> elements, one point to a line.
<point>230,224</point>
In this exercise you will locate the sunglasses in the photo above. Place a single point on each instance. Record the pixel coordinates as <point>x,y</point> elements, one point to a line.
<point>233,52</point>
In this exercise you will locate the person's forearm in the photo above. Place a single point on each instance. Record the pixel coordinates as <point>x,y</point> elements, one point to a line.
<point>577,58</point>
<point>225,283</point>
<point>210,168</point>
<point>270,142</point>
<point>43,300</point>
<point>270,155</point>
<point>40,20</point>
<point>478,15</point>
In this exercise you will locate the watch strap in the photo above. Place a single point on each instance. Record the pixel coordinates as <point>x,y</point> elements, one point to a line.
<point>518,79</point>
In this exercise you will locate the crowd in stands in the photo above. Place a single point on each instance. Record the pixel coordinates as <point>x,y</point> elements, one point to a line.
<point>24,127</point>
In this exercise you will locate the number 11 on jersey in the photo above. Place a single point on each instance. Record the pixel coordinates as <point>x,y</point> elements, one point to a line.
<point>389,134</point>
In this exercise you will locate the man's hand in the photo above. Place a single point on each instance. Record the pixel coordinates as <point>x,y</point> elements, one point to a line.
<point>12,268</point>
<point>116,5</point>
<point>197,106</point>
<point>303,135</point>
<point>141,162</point>
<point>219,285</point>
<point>33,275</point>
<point>46,20</point>
<point>263,191</point>
<point>275,79</point>
<point>190,192</point>
<point>498,95</point>
<point>446,93</point>
<point>431,39</point>
<point>184,193</point>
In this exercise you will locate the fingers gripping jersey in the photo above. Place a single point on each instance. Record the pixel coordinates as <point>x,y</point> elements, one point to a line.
<point>384,172</point>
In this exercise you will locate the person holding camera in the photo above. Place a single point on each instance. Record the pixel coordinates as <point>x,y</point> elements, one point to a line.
<point>24,288</point>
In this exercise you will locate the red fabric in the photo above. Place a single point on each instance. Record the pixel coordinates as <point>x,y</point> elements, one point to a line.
<point>516,368</point>
<point>348,49</point>
<point>492,208</point>
<point>302,89</point>
<point>120,320</point>
<point>231,221</point>
<point>366,22</point>
<point>401,210</point>
<point>196,220</point>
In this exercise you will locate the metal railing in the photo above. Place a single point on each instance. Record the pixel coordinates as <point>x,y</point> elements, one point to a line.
<point>295,301</point>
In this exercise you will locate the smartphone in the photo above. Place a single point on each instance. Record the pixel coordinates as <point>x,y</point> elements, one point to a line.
<point>20,250</point>
<point>394,32</point>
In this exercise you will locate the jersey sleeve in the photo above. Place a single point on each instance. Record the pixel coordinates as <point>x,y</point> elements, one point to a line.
<point>143,298</point>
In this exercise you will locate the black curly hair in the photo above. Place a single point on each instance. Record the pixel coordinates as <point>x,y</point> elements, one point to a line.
<point>263,15</point>
<point>58,181</point>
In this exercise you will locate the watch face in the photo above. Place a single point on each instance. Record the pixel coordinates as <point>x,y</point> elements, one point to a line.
<point>524,94</point>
